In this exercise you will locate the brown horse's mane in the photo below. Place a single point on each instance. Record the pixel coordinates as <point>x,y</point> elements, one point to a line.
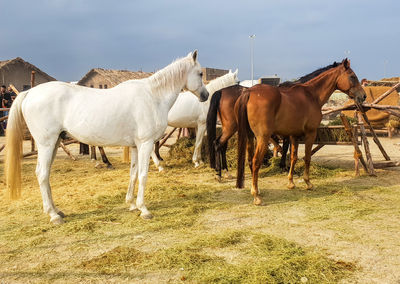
<point>309,76</point>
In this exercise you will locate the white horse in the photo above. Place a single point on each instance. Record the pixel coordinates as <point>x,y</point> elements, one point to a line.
<point>134,113</point>
<point>189,112</point>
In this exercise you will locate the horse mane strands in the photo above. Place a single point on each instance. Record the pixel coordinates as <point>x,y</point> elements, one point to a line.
<point>219,83</point>
<point>166,81</point>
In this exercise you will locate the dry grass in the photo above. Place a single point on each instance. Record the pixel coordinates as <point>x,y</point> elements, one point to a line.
<point>203,231</point>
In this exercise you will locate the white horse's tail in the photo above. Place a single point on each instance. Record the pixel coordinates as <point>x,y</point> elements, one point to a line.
<point>14,139</point>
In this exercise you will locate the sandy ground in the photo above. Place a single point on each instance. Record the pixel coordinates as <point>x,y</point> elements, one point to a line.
<point>378,255</point>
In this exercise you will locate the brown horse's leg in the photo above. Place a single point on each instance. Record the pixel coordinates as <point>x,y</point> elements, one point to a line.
<point>293,160</point>
<point>104,158</point>
<point>309,140</point>
<point>277,147</point>
<point>157,150</point>
<point>262,144</point>
<point>250,152</point>
<point>227,132</point>
<point>224,162</point>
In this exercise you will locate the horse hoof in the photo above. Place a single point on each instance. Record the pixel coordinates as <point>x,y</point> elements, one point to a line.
<point>228,176</point>
<point>291,186</point>
<point>133,208</point>
<point>110,167</point>
<point>196,165</point>
<point>257,201</point>
<point>146,216</point>
<point>58,220</point>
<point>218,178</point>
<point>310,187</point>
<point>62,215</point>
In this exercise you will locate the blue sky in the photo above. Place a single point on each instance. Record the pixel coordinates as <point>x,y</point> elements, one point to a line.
<point>66,38</point>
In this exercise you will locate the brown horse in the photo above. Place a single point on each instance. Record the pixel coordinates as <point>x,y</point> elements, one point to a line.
<point>293,111</point>
<point>222,104</point>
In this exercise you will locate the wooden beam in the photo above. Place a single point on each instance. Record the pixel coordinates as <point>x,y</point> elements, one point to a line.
<point>370,165</point>
<point>14,89</point>
<point>358,157</point>
<point>62,145</point>
<point>386,164</point>
<point>162,142</point>
<point>375,138</point>
<point>29,154</point>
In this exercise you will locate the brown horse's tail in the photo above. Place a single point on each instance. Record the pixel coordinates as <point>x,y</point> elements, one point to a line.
<point>212,125</point>
<point>243,132</point>
<point>14,139</point>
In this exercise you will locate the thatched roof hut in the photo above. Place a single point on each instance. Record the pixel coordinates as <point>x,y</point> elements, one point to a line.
<point>106,78</point>
<point>18,72</point>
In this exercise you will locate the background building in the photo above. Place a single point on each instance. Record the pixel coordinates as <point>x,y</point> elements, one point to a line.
<point>106,78</point>
<point>18,72</point>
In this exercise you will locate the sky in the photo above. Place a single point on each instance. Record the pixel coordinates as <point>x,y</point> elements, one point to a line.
<point>67,38</point>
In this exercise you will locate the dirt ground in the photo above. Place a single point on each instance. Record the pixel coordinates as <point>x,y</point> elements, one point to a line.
<point>369,239</point>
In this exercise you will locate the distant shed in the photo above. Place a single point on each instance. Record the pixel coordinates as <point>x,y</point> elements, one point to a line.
<point>106,78</point>
<point>18,72</point>
<point>212,73</point>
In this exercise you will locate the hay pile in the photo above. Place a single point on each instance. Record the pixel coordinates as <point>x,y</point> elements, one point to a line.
<point>182,151</point>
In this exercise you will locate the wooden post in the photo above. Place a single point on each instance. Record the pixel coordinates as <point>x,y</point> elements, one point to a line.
<point>357,152</point>
<point>67,151</point>
<point>32,85</point>
<point>162,142</point>
<point>370,164</point>
<point>126,155</point>
<point>376,140</point>
<point>93,153</point>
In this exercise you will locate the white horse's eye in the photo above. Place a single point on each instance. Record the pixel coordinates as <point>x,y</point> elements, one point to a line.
<point>201,74</point>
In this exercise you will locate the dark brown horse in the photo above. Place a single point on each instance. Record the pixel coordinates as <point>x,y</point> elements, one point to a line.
<point>293,111</point>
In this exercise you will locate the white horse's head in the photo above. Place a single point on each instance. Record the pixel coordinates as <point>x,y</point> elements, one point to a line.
<point>235,75</point>
<point>194,81</point>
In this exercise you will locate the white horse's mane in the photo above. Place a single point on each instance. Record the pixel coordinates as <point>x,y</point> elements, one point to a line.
<point>168,79</point>
<point>219,83</point>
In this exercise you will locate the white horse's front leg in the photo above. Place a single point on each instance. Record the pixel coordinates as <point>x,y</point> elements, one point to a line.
<point>201,129</point>
<point>132,181</point>
<point>144,152</point>
<point>156,161</point>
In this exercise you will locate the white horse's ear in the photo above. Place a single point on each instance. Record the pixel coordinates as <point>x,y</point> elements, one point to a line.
<point>194,55</point>
<point>236,71</point>
<point>230,71</point>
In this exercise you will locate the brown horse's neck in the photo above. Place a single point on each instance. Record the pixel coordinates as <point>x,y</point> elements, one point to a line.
<point>323,86</point>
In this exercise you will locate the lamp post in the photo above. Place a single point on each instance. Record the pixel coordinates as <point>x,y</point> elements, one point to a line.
<point>252,37</point>
<point>385,67</point>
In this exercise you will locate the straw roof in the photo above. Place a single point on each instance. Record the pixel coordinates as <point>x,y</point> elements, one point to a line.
<point>6,64</point>
<point>114,77</point>
<point>377,118</point>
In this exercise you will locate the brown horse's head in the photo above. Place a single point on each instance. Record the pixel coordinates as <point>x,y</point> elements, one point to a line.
<point>348,83</point>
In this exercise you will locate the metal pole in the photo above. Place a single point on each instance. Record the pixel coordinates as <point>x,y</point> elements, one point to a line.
<point>252,57</point>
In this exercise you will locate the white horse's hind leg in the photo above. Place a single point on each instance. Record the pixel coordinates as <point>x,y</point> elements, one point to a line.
<point>156,161</point>
<point>132,181</point>
<point>201,129</point>
<point>144,152</point>
<point>45,158</point>
<point>59,212</point>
